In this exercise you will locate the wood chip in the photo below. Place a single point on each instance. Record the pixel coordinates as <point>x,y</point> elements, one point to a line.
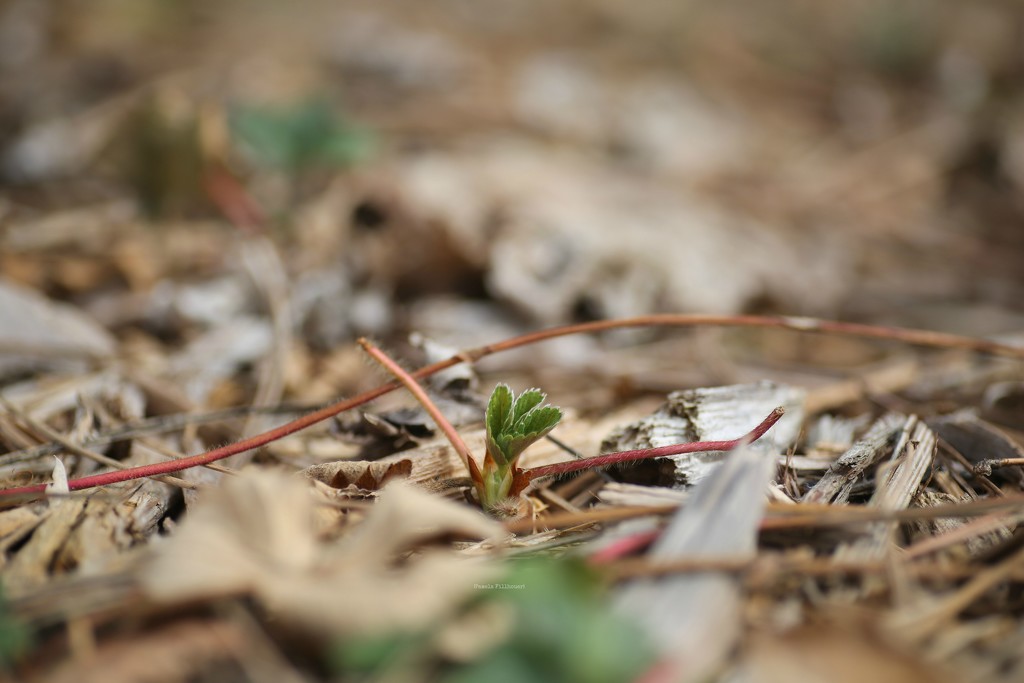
<point>712,414</point>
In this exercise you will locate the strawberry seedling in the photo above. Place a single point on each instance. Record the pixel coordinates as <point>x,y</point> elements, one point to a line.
<point>512,425</point>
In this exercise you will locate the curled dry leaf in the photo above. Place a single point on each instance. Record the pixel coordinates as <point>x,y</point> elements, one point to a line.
<point>365,476</point>
<point>256,536</point>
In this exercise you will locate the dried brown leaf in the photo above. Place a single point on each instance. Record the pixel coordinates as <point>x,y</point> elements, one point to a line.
<point>33,327</point>
<point>824,654</point>
<point>256,536</point>
<point>176,653</point>
<point>367,476</point>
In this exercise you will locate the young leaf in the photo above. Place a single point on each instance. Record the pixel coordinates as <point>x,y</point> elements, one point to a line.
<point>306,134</point>
<point>499,410</point>
<point>15,638</point>
<point>500,450</point>
<point>512,425</point>
<point>541,421</point>
<point>527,401</point>
<point>496,451</point>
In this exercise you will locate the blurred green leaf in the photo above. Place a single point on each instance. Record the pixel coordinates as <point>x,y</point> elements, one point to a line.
<point>15,638</point>
<point>897,39</point>
<point>375,655</point>
<point>564,631</point>
<point>305,135</point>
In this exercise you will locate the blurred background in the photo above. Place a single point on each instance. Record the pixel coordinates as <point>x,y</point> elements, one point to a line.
<point>471,170</point>
<point>204,203</point>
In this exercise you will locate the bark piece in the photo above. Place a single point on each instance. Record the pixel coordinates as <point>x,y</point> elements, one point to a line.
<point>835,486</point>
<point>895,488</point>
<point>709,414</point>
<point>32,563</point>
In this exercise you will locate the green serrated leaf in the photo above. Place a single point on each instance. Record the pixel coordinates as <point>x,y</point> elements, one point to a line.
<point>512,425</point>
<point>527,401</point>
<point>495,449</point>
<point>518,444</point>
<point>541,421</point>
<point>502,440</point>
<point>537,425</point>
<point>499,410</point>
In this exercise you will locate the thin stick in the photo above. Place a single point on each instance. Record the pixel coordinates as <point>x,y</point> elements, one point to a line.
<point>629,568</point>
<point>227,451</point>
<point>934,617</point>
<point>675,449</point>
<point>964,533</point>
<point>152,425</point>
<point>562,520</point>
<point>908,336</point>
<point>985,467</point>
<point>797,324</point>
<point>417,391</point>
<point>785,516</point>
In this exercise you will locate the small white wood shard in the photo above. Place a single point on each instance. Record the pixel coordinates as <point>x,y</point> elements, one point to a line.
<point>59,485</point>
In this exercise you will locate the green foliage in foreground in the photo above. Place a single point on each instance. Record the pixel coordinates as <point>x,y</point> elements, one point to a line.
<point>15,638</point>
<point>562,630</point>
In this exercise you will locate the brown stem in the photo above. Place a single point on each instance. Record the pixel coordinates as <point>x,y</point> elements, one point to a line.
<point>797,324</point>
<point>643,453</point>
<point>915,337</point>
<point>417,391</point>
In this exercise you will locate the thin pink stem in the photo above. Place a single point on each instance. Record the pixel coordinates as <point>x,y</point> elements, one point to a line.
<point>797,324</point>
<point>907,336</point>
<point>227,451</point>
<point>424,400</point>
<point>643,453</point>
